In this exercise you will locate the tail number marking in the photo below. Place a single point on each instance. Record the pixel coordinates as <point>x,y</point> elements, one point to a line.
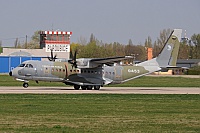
<point>133,71</point>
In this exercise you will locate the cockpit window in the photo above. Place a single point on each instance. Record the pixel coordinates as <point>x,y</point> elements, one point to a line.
<point>21,65</point>
<point>29,65</point>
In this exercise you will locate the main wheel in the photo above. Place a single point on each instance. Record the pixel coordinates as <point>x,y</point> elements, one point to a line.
<point>76,87</point>
<point>25,85</point>
<point>83,87</point>
<point>89,87</point>
<point>97,87</point>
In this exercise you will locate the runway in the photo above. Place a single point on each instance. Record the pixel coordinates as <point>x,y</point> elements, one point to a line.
<point>103,90</point>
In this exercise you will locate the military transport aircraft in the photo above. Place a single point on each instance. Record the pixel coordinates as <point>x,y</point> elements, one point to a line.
<point>90,73</point>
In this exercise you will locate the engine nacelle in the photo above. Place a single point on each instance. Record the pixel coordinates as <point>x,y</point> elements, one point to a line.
<point>85,63</point>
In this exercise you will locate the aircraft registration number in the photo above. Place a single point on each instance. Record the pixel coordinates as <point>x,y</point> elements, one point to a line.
<point>133,71</point>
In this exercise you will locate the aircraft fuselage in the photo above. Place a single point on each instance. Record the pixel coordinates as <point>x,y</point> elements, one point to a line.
<point>64,72</point>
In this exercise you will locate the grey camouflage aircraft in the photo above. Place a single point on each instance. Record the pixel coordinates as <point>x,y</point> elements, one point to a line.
<point>87,73</point>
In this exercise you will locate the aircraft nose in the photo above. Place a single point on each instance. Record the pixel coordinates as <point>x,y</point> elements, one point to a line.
<point>14,72</point>
<point>10,73</point>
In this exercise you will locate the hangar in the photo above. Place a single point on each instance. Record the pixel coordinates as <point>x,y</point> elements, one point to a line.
<point>12,60</point>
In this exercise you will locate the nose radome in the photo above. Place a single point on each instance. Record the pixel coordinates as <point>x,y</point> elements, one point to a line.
<point>10,73</point>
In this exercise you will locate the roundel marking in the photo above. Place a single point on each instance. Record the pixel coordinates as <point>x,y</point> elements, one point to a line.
<point>169,47</point>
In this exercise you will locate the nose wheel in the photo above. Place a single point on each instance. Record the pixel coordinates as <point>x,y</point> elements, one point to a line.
<point>25,85</point>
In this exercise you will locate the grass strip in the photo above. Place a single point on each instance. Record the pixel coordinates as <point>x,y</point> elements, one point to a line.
<point>99,113</point>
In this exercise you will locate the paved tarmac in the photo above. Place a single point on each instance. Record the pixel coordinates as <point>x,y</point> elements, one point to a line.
<point>103,90</point>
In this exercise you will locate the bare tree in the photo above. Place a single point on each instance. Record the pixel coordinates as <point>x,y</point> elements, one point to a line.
<point>158,45</point>
<point>92,38</point>
<point>148,42</point>
<point>0,43</point>
<point>16,42</point>
<point>164,34</point>
<point>82,41</point>
<point>196,41</point>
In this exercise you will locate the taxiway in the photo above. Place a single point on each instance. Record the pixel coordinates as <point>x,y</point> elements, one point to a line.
<point>103,90</point>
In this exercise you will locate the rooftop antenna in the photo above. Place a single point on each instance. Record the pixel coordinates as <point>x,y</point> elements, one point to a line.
<point>185,34</point>
<point>52,26</point>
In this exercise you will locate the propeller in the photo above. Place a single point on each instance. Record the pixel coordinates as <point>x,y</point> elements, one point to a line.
<point>52,58</point>
<point>73,59</point>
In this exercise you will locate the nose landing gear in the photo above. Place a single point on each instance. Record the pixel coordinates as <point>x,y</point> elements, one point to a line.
<point>25,85</point>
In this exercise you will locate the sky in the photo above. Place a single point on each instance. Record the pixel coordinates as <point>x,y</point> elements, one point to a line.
<point>109,20</point>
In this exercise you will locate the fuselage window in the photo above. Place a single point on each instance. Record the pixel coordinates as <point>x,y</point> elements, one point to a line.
<point>63,70</point>
<point>29,66</point>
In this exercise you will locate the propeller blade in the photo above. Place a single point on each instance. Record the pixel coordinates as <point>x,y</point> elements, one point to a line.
<point>75,65</point>
<point>52,58</point>
<point>71,55</point>
<point>51,53</point>
<point>73,59</point>
<point>49,58</point>
<point>75,55</point>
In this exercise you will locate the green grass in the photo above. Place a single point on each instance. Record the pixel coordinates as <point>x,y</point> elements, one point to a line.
<point>101,113</point>
<point>1,49</point>
<point>162,82</point>
<point>6,80</point>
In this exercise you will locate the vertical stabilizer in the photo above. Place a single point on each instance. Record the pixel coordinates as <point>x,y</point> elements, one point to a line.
<point>169,53</point>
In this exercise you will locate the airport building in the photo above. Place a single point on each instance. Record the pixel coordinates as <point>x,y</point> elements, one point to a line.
<point>58,41</point>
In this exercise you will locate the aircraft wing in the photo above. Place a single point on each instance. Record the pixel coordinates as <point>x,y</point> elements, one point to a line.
<point>96,62</point>
<point>110,60</point>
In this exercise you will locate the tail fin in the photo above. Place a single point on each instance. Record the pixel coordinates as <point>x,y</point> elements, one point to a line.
<point>169,53</point>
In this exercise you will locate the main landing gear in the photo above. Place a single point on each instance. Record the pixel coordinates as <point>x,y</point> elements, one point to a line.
<point>87,87</point>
